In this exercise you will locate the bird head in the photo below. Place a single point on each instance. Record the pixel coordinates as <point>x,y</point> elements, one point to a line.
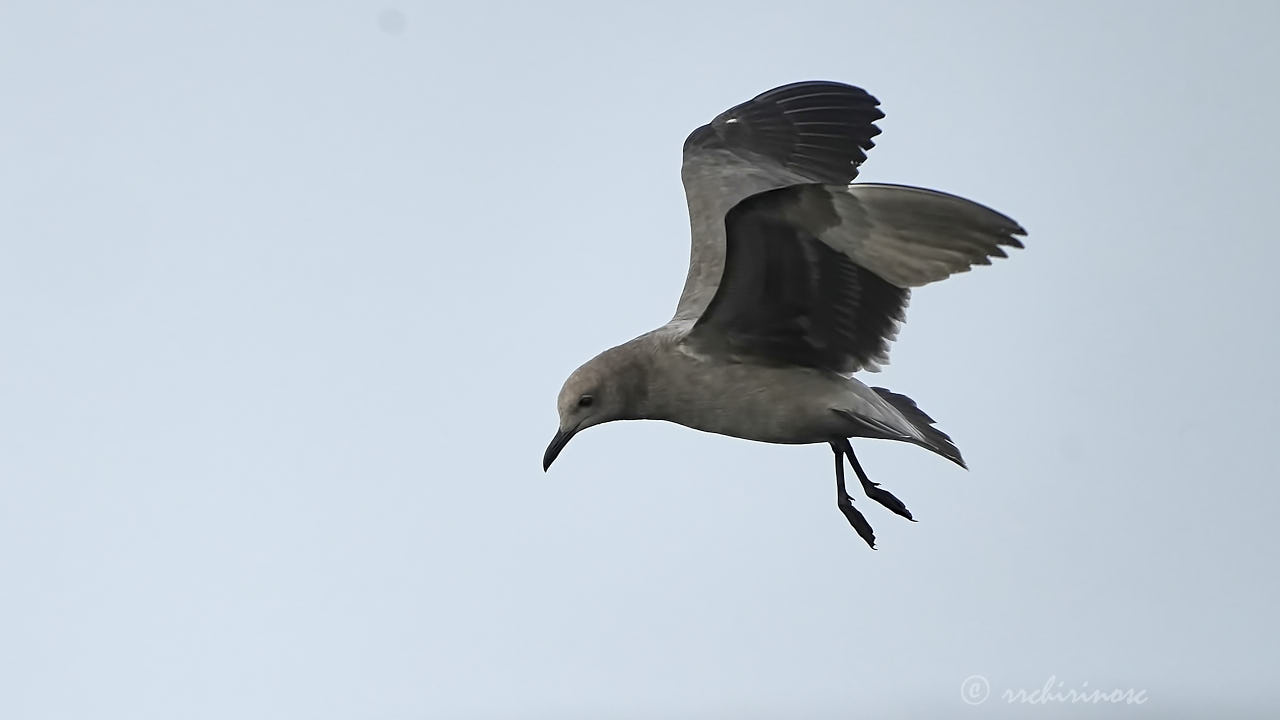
<point>607,387</point>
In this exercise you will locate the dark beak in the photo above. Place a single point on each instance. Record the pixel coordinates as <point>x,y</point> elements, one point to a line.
<point>557,444</point>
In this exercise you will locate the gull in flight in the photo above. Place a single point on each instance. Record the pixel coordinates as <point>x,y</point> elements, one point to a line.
<point>797,280</point>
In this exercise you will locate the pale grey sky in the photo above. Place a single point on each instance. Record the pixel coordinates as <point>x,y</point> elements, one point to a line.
<point>287,292</point>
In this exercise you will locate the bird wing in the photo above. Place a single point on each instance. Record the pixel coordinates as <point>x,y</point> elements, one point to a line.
<point>819,275</point>
<point>806,132</point>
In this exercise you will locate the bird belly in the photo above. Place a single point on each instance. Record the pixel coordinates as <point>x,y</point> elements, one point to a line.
<point>775,405</point>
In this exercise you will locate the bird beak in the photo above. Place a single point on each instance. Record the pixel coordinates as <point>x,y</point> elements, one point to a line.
<point>557,444</point>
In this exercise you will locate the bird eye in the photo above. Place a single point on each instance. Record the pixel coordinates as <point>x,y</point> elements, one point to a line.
<point>585,401</point>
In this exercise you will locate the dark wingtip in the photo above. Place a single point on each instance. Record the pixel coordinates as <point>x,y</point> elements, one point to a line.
<point>1012,241</point>
<point>1011,233</point>
<point>818,128</point>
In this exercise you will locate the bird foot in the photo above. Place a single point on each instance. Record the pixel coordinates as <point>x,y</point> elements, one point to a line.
<point>887,499</point>
<point>856,519</point>
<point>873,489</point>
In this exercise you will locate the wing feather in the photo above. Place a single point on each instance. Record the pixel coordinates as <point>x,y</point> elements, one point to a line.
<point>806,132</point>
<point>820,275</point>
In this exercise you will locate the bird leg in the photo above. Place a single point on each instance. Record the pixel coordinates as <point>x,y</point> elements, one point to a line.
<point>845,503</point>
<point>873,490</point>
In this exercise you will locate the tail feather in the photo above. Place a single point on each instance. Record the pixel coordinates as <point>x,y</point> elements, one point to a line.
<point>935,440</point>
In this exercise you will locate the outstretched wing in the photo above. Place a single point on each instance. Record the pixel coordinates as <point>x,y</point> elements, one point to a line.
<point>806,132</point>
<point>819,275</point>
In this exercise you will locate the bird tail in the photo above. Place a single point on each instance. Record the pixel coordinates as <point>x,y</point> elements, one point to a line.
<point>935,440</point>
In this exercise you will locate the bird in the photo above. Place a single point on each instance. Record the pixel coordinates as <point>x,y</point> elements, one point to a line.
<point>798,278</point>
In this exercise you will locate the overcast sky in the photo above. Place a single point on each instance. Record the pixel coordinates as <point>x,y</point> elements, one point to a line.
<point>287,291</point>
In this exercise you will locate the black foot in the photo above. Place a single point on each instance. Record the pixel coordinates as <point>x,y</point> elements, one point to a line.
<point>873,490</point>
<point>845,503</point>
<point>859,523</point>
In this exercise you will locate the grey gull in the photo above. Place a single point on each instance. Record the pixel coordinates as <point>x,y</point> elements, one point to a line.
<point>797,279</point>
